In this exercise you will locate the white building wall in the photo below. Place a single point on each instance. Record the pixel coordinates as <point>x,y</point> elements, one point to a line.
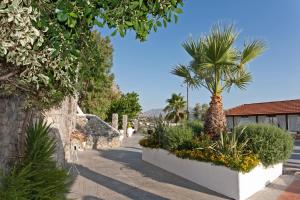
<point>229,121</point>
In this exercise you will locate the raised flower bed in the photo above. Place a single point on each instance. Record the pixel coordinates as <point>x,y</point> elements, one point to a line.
<point>236,164</point>
<point>234,184</point>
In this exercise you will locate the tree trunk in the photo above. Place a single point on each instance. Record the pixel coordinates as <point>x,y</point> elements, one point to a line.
<point>215,120</point>
<point>187,102</point>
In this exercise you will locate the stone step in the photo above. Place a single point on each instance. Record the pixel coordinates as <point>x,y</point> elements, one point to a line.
<point>294,161</point>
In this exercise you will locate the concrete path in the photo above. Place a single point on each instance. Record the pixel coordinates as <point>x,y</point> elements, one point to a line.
<point>293,164</point>
<point>117,174</point>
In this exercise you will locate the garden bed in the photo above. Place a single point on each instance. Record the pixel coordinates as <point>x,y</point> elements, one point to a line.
<point>234,184</point>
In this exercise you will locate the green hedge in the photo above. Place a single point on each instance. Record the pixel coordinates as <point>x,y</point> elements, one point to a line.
<point>196,126</point>
<point>272,144</point>
<point>174,137</point>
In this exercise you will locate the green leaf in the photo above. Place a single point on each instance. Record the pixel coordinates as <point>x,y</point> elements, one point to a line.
<point>134,5</point>
<point>128,23</point>
<point>71,22</point>
<point>175,18</point>
<point>165,22</point>
<point>114,33</point>
<point>72,14</point>
<point>96,22</point>
<point>141,3</point>
<point>62,17</point>
<point>158,23</point>
<point>122,32</point>
<point>178,10</point>
<point>155,27</point>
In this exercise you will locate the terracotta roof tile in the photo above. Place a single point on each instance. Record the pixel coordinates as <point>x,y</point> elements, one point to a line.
<point>267,108</point>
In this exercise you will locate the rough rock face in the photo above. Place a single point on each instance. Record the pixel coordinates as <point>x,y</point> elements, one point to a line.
<point>100,135</point>
<point>63,121</point>
<point>11,121</point>
<point>12,116</point>
<point>78,140</point>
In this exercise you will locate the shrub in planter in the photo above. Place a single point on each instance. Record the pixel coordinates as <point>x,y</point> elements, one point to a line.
<point>196,126</point>
<point>176,136</point>
<point>243,163</point>
<point>36,176</point>
<point>272,144</point>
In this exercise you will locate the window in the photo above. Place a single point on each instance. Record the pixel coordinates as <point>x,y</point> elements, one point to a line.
<point>294,123</point>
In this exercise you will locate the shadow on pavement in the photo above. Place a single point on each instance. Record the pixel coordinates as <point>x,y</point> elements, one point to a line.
<point>133,159</point>
<point>117,186</point>
<point>91,198</point>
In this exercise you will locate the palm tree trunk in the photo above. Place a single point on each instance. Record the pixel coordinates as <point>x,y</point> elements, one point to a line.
<point>187,102</point>
<point>215,120</point>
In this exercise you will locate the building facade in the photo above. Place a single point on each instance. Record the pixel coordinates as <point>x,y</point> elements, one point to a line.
<point>284,114</point>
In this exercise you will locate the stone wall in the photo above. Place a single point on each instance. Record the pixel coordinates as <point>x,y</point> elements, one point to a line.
<point>11,122</point>
<point>99,134</point>
<point>63,122</point>
<point>12,116</point>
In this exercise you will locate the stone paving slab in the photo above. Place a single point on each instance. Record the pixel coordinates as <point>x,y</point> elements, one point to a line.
<point>120,174</point>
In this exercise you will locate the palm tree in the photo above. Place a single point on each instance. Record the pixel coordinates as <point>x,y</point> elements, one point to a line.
<point>218,65</point>
<point>175,108</point>
<point>184,72</point>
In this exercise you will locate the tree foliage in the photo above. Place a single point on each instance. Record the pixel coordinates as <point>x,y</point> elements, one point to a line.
<point>217,64</point>
<point>175,108</point>
<point>41,41</point>
<point>96,82</point>
<point>128,104</point>
<point>199,111</point>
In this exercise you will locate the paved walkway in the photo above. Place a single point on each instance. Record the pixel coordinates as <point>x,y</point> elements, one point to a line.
<point>118,174</point>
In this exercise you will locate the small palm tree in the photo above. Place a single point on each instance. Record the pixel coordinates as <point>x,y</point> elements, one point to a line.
<point>175,108</point>
<point>184,72</point>
<point>218,65</point>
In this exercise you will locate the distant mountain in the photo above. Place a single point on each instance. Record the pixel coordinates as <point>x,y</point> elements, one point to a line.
<point>157,111</point>
<point>154,112</point>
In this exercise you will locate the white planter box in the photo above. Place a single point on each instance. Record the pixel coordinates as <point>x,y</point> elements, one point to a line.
<point>220,179</point>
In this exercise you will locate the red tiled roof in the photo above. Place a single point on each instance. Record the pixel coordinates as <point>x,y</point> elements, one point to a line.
<point>267,108</point>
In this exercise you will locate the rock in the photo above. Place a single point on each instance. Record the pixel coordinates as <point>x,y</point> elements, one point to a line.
<point>100,135</point>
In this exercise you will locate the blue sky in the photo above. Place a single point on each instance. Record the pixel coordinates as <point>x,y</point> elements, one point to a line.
<point>145,67</point>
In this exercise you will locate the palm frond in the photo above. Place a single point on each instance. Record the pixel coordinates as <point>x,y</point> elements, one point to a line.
<point>217,64</point>
<point>252,50</point>
<point>192,47</point>
<point>186,73</point>
<point>241,79</point>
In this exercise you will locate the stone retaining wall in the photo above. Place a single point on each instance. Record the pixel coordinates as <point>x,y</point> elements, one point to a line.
<point>12,116</point>
<point>63,122</point>
<point>100,135</point>
<point>11,121</point>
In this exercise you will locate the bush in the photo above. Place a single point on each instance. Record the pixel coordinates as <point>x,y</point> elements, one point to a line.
<point>196,126</point>
<point>174,137</point>
<point>36,177</point>
<point>272,144</point>
<point>227,150</point>
<point>243,163</point>
<point>229,144</point>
